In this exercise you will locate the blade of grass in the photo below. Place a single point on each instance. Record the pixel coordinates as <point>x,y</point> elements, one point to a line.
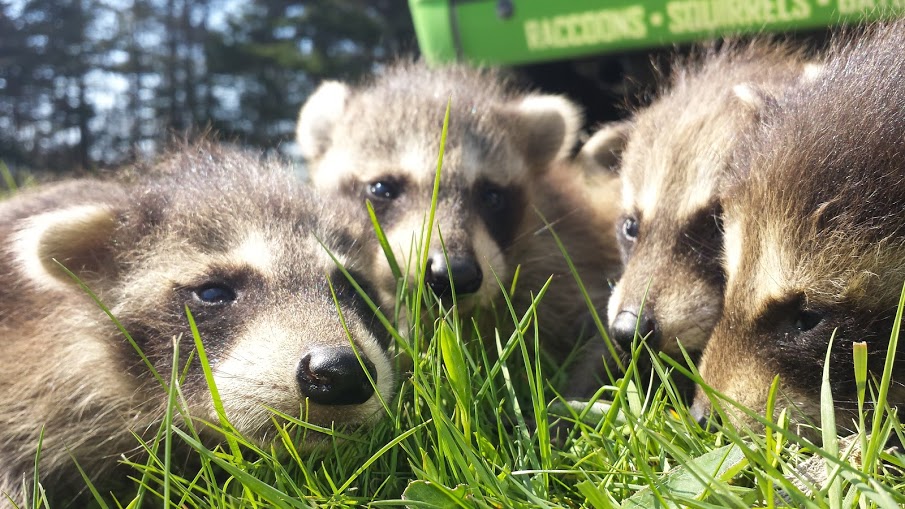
<point>370,302</point>
<point>361,362</point>
<point>874,445</point>
<point>771,441</point>
<point>94,493</point>
<point>611,349</point>
<point>116,322</point>
<point>36,482</point>
<point>212,386</point>
<point>454,362</point>
<point>8,179</point>
<point>377,455</point>
<point>428,228</point>
<point>859,356</point>
<point>249,482</point>
<point>382,239</point>
<point>168,422</point>
<point>420,302</point>
<point>828,428</point>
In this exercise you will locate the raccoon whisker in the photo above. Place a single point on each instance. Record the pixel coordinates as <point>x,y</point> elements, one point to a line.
<point>539,259</point>
<point>691,331</point>
<point>542,229</point>
<point>553,223</point>
<point>702,245</point>
<point>252,382</point>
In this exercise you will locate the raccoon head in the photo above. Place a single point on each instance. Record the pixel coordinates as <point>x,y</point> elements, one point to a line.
<point>672,172</point>
<point>260,286</point>
<point>670,232</point>
<point>791,289</point>
<point>381,144</point>
<point>814,240</point>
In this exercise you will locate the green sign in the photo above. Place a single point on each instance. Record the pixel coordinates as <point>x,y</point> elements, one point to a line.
<point>519,31</point>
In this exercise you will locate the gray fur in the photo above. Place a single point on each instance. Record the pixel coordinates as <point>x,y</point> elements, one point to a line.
<point>677,154</point>
<point>500,138</point>
<point>815,210</point>
<point>142,244</point>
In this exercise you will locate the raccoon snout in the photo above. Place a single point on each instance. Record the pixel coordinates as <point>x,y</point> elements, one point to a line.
<point>702,412</point>
<point>622,330</point>
<point>465,271</point>
<point>333,376</point>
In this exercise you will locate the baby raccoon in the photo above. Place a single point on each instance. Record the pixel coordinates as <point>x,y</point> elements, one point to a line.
<point>505,166</point>
<point>675,158</point>
<point>814,237</point>
<point>235,240</point>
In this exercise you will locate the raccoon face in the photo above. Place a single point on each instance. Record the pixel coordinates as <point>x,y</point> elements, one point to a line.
<point>672,173</point>
<point>670,236</point>
<point>783,305</point>
<point>375,145</point>
<point>258,284</point>
<point>475,222</point>
<point>672,284</point>
<point>814,236</point>
<point>475,219</point>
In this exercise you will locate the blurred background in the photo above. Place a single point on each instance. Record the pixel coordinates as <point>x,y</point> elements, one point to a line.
<point>90,84</point>
<point>94,83</point>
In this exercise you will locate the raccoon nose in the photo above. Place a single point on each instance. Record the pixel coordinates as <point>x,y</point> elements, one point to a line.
<point>333,376</point>
<point>702,413</point>
<point>622,330</point>
<point>465,271</point>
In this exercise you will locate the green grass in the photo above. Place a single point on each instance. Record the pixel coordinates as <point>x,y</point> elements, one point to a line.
<point>9,185</point>
<point>10,182</point>
<point>469,431</point>
<point>476,429</point>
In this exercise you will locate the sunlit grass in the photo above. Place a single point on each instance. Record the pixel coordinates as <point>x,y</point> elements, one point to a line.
<point>476,423</point>
<point>457,437</point>
<point>9,183</point>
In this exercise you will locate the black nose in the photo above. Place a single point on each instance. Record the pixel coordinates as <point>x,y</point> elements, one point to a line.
<point>465,271</point>
<point>333,376</point>
<point>622,330</point>
<point>702,412</point>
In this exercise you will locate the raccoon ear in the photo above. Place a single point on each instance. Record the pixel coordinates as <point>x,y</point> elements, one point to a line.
<point>79,238</point>
<point>752,98</point>
<point>544,127</point>
<point>314,131</point>
<point>757,100</point>
<point>811,71</point>
<point>603,150</point>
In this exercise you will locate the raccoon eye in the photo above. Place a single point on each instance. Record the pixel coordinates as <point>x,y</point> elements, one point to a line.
<point>630,228</point>
<point>383,190</point>
<point>215,293</point>
<point>807,320</point>
<point>494,200</point>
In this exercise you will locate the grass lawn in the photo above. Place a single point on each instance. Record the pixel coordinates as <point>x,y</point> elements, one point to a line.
<point>472,425</point>
<point>466,430</point>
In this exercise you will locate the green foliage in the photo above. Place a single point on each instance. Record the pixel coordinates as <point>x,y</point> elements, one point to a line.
<point>458,436</point>
<point>476,424</point>
<point>8,180</point>
<point>693,479</point>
